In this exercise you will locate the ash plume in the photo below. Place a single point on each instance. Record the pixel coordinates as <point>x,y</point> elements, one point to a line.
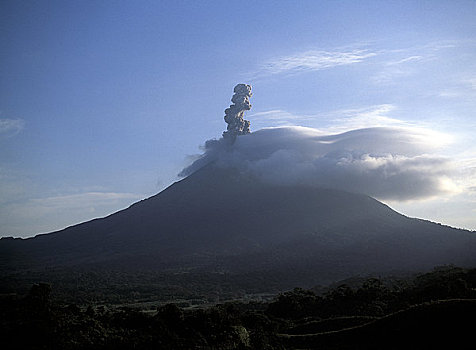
<point>234,114</point>
<point>383,162</point>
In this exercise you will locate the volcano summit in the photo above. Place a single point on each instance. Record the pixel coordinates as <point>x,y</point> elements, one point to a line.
<point>227,219</point>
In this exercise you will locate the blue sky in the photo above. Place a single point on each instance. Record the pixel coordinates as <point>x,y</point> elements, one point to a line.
<point>103,103</point>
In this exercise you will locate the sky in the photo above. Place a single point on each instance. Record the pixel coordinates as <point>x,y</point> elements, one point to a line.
<point>103,103</point>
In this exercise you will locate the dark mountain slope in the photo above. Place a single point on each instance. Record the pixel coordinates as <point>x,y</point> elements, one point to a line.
<point>217,219</point>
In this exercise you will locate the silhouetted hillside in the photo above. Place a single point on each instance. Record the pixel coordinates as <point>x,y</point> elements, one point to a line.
<point>220,222</point>
<point>429,311</point>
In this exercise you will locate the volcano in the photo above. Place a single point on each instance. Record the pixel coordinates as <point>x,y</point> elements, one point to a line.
<point>222,220</point>
<point>218,220</point>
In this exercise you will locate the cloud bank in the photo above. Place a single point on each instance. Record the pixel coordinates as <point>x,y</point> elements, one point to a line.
<point>383,162</point>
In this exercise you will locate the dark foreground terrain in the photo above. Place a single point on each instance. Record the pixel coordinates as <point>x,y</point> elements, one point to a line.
<point>220,244</point>
<point>427,311</point>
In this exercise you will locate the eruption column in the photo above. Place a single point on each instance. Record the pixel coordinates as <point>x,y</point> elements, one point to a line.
<point>234,114</point>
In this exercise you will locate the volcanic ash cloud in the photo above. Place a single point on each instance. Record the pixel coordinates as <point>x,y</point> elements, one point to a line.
<point>382,162</point>
<point>237,125</point>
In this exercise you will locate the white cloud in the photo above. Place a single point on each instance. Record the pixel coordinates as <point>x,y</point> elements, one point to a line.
<point>396,69</point>
<point>278,117</point>
<point>404,60</point>
<point>314,60</point>
<point>365,117</point>
<point>387,163</point>
<point>11,127</point>
<point>404,63</point>
<point>343,120</point>
<point>461,88</point>
<point>275,114</point>
<point>466,177</point>
<point>472,83</point>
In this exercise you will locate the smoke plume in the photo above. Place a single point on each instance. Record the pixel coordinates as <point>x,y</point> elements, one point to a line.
<point>383,162</point>
<point>234,114</point>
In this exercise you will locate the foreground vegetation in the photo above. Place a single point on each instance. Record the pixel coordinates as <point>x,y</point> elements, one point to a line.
<point>432,310</point>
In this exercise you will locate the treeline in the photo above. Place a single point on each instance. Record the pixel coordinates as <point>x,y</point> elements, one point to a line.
<point>426,311</point>
<point>102,286</point>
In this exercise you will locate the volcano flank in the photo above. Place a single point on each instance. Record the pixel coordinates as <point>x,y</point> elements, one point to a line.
<point>222,220</point>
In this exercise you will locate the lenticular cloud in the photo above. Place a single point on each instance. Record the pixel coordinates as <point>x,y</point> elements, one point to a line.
<point>386,163</point>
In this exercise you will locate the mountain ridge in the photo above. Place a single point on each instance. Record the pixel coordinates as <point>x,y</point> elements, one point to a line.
<point>218,219</point>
